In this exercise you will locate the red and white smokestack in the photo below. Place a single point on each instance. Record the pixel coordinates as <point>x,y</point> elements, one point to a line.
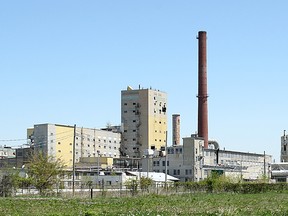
<point>176,129</point>
<point>202,89</point>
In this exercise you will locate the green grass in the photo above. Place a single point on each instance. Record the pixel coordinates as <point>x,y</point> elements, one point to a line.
<point>187,204</point>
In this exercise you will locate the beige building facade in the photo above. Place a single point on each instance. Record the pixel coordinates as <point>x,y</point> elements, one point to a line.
<point>57,141</point>
<point>144,121</point>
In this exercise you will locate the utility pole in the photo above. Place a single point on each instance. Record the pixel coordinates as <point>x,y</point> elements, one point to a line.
<point>264,164</point>
<point>73,159</point>
<point>166,153</point>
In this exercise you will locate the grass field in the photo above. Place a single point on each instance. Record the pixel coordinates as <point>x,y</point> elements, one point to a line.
<point>186,204</point>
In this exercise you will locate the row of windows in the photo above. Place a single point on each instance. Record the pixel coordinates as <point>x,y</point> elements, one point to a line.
<point>160,111</point>
<point>175,171</point>
<point>156,131</point>
<point>125,131</point>
<point>134,111</point>
<point>175,150</point>
<point>135,104</point>
<point>89,154</point>
<point>134,139</point>
<point>160,122</point>
<point>159,140</point>
<point>242,157</point>
<point>157,163</point>
<point>59,143</point>
<point>99,140</point>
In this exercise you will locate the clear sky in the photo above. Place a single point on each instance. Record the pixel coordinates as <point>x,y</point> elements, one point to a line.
<point>66,62</point>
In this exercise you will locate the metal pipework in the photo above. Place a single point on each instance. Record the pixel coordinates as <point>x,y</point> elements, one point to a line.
<point>202,88</point>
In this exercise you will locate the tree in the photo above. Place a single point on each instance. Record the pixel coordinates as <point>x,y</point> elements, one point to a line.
<point>43,171</point>
<point>145,183</point>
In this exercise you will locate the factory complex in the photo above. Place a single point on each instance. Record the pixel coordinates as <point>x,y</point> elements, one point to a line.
<point>138,146</point>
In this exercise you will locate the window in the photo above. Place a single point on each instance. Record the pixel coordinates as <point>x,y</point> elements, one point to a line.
<point>174,172</point>
<point>59,143</point>
<point>134,120</point>
<point>59,150</point>
<point>134,130</point>
<point>125,111</point>
<point>284,147</point>
<point>163,163</point>
<point>134,103</point>
<point>125,130</point>
<point>125,104</point>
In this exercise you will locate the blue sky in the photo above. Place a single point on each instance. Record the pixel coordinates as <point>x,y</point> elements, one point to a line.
<point>66,62</point>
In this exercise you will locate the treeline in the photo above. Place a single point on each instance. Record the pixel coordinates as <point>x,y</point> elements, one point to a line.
<point>220,184</point>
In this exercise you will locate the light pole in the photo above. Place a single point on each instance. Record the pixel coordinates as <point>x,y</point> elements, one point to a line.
<point>148,153</point>
<point>147,165</point>
<point>98,165</point>
<point>166,153</point>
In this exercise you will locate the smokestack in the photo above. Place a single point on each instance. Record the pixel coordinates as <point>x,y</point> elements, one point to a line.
<point>176,129</point>
<point>202,89</point>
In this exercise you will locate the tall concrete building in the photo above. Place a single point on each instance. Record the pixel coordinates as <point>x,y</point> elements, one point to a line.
<point>57,141</point>
<point>144,120</point>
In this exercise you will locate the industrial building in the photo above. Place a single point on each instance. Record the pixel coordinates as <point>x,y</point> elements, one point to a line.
<point>198,157</point>
<point>144,120</point>
<point>279,171</point>
<point>57,140</point>
<point>192,162</point>
<point>143,132</point>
